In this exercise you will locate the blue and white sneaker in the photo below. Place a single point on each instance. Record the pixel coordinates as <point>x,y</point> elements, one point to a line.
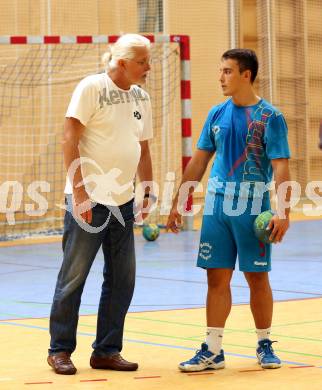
<point>204,360</point>
<point>266,356</point>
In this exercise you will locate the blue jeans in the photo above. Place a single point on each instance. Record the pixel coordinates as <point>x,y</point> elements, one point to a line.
<point>80,248</point>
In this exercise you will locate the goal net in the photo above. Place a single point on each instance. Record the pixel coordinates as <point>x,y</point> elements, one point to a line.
<point>36,83</point>
<point>289,46</point>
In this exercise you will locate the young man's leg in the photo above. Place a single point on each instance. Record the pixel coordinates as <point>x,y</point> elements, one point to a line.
<point>261,303</point>
<point>255,261</point>
<point>217,254</point>
<point>219,296</point>
<point>261,298</point>
<point>218,308</point>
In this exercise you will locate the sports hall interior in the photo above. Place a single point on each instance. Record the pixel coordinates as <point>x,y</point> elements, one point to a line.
<point>166,320</point>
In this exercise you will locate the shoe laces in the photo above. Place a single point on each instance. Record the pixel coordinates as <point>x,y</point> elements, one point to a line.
<point>267,347</point>
<point>63,359</point>
<point>119,358</point>
<point>199,354</point>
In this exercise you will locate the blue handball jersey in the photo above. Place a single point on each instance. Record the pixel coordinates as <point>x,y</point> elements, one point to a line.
<point>245,140</point>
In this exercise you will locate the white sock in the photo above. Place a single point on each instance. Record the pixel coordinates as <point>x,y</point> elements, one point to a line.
<point>214,339</point>
<point>263,333</point>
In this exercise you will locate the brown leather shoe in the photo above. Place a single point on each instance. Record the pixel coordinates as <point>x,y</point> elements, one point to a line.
<point>61,363</point>
<point>112,362</point>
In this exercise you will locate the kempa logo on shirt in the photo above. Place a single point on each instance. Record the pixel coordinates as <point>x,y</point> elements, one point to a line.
<point>115,96</point>
<point>262,263</point>
<point>137,115</point>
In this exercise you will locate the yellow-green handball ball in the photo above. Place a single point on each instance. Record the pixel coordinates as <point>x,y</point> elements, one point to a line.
<point>151,232</point>
<point>260,226</point>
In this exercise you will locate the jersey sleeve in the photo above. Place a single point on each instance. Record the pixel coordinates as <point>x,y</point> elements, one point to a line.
<point>206,140</point>
<point>276,138</point>
<point>147,132</point>
<point>83,102</point>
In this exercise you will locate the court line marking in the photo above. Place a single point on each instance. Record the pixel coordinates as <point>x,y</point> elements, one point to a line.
<point>147,377</point>
<point>140,341</point>
<point>257,369</point>
<point>89,313</point>
<point>202,326</point>
<point>319,294</point>
<point>172,346</point>
<point>196,338</point>
<point>94,305</point>
<point>38,383</point>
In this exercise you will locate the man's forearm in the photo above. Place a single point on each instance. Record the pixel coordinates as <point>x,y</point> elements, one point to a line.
<point>71,152</point>
<point>145,171</point>
<point>145,168</point>
<point>282,175</point>
<point>71,155</point>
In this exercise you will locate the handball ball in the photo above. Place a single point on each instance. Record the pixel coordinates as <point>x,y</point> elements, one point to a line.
<point>151,232</point>
<point>260,224</point>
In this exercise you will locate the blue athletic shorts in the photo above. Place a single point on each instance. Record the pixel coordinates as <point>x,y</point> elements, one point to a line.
<point>225,236</point>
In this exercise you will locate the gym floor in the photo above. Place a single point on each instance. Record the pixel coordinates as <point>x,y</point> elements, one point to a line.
<point>166,322</point>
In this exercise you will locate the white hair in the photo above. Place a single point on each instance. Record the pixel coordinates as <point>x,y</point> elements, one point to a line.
<point>123,48</point>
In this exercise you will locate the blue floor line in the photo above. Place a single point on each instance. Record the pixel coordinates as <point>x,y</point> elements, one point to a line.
<point>151,343</point>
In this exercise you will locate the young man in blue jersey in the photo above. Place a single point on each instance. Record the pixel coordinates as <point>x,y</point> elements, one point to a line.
<point>249,139</point>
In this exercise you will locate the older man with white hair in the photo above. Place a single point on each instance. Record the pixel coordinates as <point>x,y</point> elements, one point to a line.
<point>107,127</point>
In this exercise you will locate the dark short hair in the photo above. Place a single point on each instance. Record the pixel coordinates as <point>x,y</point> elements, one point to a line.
<point>246,59</point>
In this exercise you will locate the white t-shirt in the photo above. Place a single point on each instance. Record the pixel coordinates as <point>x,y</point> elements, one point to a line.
<point>115,121</point>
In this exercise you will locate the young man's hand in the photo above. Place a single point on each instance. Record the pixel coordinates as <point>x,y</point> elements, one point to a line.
<point>174,220</point>
<point>279,227</point>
